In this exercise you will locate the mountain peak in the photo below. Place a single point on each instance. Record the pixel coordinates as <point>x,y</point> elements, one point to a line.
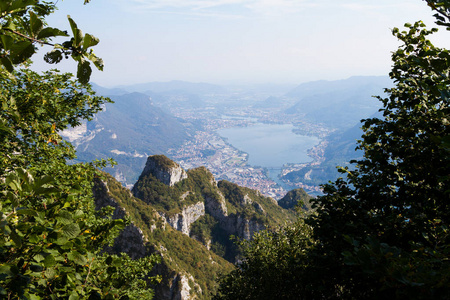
<point>164,169</point>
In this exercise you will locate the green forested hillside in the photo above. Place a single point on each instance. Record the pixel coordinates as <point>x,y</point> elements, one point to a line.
<point>338,104</point>
<point>296,199</point>
<point>180,254</point>
<point>223,209</point>
<point>192,223</point>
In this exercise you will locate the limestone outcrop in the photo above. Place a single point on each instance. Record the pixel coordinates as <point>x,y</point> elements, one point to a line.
<point>196,207</point>
<point>164,169</point>
<point>183,220</point>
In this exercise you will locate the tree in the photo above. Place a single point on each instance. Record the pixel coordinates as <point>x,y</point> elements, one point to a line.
<point>273,261</point>
<point>383,229</point>
<point>51,237</point>
<point>442,9</point>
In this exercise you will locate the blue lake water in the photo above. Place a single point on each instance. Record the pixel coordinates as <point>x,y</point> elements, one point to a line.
<point>270,145</point>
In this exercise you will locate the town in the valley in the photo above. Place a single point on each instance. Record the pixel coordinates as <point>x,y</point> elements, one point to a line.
<point>211,150</point>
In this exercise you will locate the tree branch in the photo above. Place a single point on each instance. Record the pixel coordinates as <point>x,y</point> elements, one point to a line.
<point>29,38</point>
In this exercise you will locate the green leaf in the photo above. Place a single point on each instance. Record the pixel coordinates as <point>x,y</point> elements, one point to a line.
<point>21,51</point>
<point>12,197</point>
<point>5,269</point>
<point>7,41</point>
<point>50,273</point>
<point>44,180</point>
<point>53,57</point>
<point>89,41</point>
<point>84,71</point>
<point>78,213</point>
<point>28,212</point>
<point>45,190</point>
<point>34,238</point>
<point>77,258</point>
<point>34,297</point>
<point>51,32</point>
<point>64,217</point>
<point>39,257</point>
<point>49,261</point>
<point>71,231</point>
<point>7,64</point>
<point>35,24</point>
<point>17,5</point>
<point>16,238</point>
<point>77,33</point>
<point>74,296</point>
<point>12,182</point>
<point>98,62</point>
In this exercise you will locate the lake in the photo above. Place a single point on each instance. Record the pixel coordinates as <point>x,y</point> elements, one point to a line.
<point>270,145</point>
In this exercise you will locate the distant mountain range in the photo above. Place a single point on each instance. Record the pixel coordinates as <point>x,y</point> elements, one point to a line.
<point>175,85</point>
<point>338,104</point>
<point>141,121</point>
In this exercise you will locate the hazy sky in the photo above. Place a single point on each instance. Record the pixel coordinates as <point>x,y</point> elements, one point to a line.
<point>248,41</point>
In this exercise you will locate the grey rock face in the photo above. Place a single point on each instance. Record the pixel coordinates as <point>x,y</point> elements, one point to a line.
<point>182,221</point>
<point>232,224</point>
<point>132,241</point>
<point>178,289</point>
<point>242,227</point>
<point>164,169</point>
<point>216,207</point>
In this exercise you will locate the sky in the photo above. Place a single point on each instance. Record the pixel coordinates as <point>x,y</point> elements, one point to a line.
<point>241,41</point>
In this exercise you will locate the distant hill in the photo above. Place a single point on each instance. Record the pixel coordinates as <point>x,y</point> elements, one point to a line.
<point>270,102</point>
<point>338,104</point>
<point>175,85</point>
<point>295,197</point>
<point>102,91</point>
<point>312,88</point>
<point>128,131</point>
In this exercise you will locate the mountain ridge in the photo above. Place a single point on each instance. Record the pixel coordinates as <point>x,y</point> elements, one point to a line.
<point>194,253</point>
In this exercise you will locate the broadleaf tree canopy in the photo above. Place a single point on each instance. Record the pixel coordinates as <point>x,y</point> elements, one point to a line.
<point>51,236</point>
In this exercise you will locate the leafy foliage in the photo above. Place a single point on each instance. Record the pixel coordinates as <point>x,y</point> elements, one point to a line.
<point>272,265</point>
<point>22,26</point>
<point>442,9</point>
<point>390,217</point>
<point>51,237</point>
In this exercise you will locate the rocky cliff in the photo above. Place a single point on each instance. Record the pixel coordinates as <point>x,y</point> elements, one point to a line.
<point>183,220</point>
<point>164,169</point>
<point>187,268</point>
<point>217,210</point>
<point>187,218</point>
